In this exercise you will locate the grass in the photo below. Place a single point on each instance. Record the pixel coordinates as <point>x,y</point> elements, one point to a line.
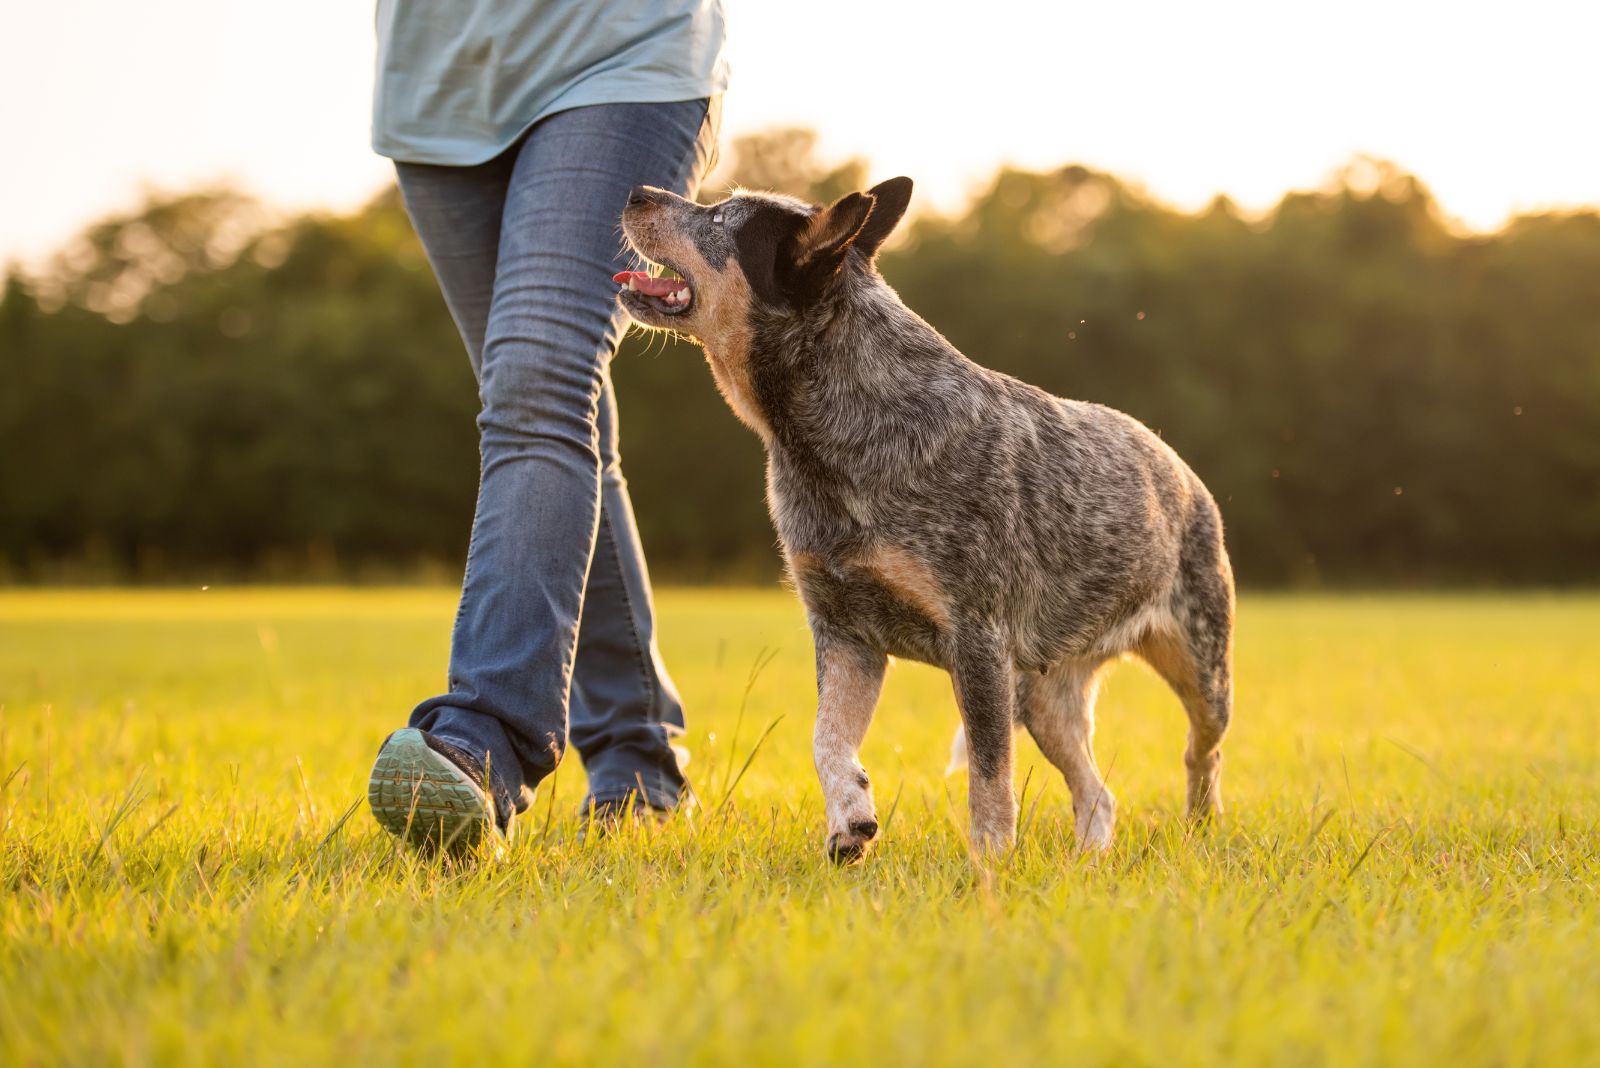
<point>1406,873</point>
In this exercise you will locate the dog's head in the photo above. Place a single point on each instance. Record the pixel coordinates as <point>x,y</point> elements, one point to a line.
<point>752,251</point>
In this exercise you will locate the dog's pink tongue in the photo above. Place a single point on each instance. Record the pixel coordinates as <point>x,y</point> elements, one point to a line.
<point>646,284</point>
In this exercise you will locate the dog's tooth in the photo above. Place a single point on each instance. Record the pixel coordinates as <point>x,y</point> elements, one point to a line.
<point>682,294</point>
<point>633,285</point>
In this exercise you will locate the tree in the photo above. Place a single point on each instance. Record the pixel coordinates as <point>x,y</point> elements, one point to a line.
<point>1372,396</point>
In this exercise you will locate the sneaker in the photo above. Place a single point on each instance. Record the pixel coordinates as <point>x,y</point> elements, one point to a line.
<point>432,794</point>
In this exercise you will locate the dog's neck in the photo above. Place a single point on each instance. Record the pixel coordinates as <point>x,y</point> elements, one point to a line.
<point>859,371</point>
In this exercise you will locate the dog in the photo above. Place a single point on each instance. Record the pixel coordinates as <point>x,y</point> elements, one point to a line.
<point>932,509</point>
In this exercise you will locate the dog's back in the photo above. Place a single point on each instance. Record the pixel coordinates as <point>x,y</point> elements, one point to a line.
<point>1065,520</point>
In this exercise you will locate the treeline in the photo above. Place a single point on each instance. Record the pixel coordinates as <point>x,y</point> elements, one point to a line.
<point>1374,397</point>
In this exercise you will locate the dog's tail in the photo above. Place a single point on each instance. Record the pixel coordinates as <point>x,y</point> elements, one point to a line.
<point>958,752</point>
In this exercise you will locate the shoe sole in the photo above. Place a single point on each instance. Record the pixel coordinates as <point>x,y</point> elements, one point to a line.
<point>421,796</point>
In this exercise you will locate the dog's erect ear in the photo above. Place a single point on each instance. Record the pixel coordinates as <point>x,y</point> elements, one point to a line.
<point>889,201</point>
<point>821,243</point>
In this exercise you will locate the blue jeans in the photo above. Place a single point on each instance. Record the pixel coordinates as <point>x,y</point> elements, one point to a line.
<point>555,635</point>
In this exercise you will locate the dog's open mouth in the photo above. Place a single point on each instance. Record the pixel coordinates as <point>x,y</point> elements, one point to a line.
<point>668,292</point>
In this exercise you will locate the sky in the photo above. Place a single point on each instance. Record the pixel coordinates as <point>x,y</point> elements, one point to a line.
<point>1493,106</point>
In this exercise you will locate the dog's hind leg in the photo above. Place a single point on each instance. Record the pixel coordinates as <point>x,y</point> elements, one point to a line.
<point>849,677</point>
<point>985,692</point>
<point>1194,654</point>
<point>1058,710</point>
<point>1201,679</point>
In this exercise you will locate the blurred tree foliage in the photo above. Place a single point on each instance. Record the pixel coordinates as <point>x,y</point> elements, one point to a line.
<point>1374,397</point>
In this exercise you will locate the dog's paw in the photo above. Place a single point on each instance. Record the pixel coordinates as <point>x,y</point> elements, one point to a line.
<point>849,846</point>
<point>994,841</point>
<point>1095,823</point>
<point>1096,835</point>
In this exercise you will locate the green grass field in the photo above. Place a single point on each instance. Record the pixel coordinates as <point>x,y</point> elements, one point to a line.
<point>1407,870</point>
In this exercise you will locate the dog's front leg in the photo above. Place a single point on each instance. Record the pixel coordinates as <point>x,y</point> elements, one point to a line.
<point>985,692</point>
<point>849,677</point>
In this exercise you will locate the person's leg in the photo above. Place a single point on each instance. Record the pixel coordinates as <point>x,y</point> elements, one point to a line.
<point>624,707</point>
<point>553,324</point>
<point>422,787</point>
<point>623,704</point>
<point>456,212</point>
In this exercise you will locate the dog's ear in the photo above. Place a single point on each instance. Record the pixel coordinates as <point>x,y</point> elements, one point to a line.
<point>820,245</point>
<point>889,201</point>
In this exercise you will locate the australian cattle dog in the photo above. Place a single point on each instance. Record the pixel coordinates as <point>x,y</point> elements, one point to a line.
<point>933,509</point>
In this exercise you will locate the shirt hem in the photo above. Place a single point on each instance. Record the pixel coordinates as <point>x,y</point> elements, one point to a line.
<point>402,151</point>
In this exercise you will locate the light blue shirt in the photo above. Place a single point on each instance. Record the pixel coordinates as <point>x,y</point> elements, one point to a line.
<point>458,81</point>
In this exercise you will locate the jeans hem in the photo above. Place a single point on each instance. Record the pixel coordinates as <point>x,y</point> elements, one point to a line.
<point>660,798</point>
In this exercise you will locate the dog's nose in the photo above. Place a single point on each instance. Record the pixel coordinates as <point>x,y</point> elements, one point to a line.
<point>639,195</point>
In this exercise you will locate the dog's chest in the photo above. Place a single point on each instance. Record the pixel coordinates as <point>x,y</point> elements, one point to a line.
<point>883,594</point>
